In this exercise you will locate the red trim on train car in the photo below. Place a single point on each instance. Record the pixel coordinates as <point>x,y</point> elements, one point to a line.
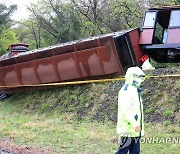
<point>146,36</point>
<point>144,58</point>
<point>134,38</point>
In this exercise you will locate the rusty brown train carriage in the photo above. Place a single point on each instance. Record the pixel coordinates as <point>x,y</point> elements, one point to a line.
<point>96,57</point>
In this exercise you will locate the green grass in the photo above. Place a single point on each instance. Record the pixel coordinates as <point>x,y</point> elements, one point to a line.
<point>63,133</point>
<point>165,139</point>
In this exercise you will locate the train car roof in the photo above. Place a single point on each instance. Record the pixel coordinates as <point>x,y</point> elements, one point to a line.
<point>166,8</point>
<point>114,34</point>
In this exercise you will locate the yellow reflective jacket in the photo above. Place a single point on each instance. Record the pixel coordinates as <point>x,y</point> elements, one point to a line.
<point>130,108</point>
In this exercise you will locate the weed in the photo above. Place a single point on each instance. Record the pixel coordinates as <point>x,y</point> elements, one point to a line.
<point>166,123</point>
<point>72,97</point>
<point>168,113</point>
<point>44,106</point>
<point>150,110</point>
<point>175,130</point>
<point>172,99</point>
<point>81,99</point>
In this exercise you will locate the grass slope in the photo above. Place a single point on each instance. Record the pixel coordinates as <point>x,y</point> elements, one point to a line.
<point>82,119</point>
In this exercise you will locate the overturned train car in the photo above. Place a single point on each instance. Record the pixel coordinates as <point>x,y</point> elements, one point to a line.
<point>97,57</point>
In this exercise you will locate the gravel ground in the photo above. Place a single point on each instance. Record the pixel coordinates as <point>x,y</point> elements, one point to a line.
<point>7,147</point>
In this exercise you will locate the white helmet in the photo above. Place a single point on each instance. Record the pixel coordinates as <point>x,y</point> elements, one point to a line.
<point>134,76</point>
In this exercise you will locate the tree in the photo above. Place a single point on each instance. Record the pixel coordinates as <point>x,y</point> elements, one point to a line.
<point>127,13</point>
<point>35,30</point>
<point>6,39</point>
<point>5,13</point>
<point>107,15</point>
<point>7,36</point>
<point>91,12</point>
<point>58,19</point>
<point>31,32</point>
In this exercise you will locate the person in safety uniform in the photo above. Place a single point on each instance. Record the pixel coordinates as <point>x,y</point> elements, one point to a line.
<point>130,125</point>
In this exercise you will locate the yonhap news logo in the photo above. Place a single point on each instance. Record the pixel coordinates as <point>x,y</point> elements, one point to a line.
<point>125,140</point>
<point>160,140</point>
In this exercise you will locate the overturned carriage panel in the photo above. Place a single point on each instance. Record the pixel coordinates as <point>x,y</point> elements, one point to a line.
<point>9,76</point>
<point>46,70</point>
<point>66,67</point>
<point>109,56</point>
<point>27,73</point>
<point>76,60</point>
<point>89,63</point>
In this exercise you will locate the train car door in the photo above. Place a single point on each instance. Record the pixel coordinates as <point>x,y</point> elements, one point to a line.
<point>174,27</point>
<point>148,27</point>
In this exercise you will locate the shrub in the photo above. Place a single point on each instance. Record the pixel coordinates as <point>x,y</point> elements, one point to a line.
<point>168,113</point>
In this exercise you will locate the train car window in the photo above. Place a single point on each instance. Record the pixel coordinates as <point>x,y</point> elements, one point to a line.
<point>174,20</point>
<point>165,36</point>
<point>149,19</point>
<point>162,22</point>
<point>158,34</point>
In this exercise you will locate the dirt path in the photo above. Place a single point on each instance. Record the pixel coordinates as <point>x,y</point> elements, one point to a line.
<point>7,147</point>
